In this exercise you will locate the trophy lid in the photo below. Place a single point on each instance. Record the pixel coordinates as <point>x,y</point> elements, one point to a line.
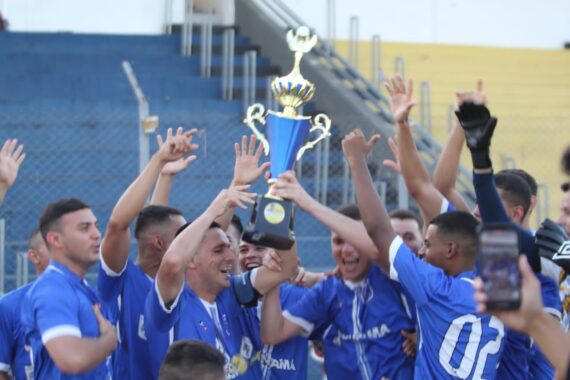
<point>293,91</point>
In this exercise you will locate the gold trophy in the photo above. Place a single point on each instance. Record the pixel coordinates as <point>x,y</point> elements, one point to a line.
<point>271,222</point>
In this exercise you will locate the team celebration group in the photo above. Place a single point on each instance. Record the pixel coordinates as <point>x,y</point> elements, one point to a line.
<point>402,302</point>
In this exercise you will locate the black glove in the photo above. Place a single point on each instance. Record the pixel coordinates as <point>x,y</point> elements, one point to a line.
<point>551,242</point>
<point>479,125</point>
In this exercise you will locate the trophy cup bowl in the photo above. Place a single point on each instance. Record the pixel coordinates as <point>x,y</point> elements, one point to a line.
<point>271,222</point>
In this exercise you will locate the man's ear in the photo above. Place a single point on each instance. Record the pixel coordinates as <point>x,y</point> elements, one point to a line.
<point>192,263</point>
<point>33,256</point>
<point>517,214</point>
<point>452,250</point>
<point>54,239</point>
<point>158,243</point>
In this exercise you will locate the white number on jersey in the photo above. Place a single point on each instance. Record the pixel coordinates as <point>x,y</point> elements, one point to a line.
<point>451,339</point>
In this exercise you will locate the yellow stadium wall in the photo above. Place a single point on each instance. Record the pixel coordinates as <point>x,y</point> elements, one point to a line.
<point>527,89</point>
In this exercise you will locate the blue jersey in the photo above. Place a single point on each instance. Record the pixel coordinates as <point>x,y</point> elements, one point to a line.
<point>286,360</point>
<point>59,303</point>
<point>127,292</point>
<point>446,206</point>
<point>364,339</point>
<point>14,353</point>
<point>224,325</point>
<point>540,367</point>
<point>455,341</point>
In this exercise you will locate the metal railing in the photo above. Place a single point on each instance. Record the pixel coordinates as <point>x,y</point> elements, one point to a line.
<point>400,67</point>
<point>425,106</point>
<point>147,123</point>
<point>186,40</point>
<point>22,269</point>
<point>206,46</point>
<point>168,17</point>
<point>249,78</point>
<point>376,64</point>
<point>228,54</point>
<point>353,40</point>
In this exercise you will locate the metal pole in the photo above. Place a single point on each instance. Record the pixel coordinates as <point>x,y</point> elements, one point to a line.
<point>168,17</point>
<point>318,164</point>
<point>450,118</point>
<point>187,28</point>
<point>425,106</point>
<point>19,270</point>
<point>331,22</point>
<point>345,180</point>
<point>325,183</point>
<point>353,41</point>
<point>228,64</point>
<point>146,123</point>
<point>403,198</point>
<point>209,31</point>
<point>376,63</point>
<point>245,82</point>
<point>400,66</point>
<point>2,254</point>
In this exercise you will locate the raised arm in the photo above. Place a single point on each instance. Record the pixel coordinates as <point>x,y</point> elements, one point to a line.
<point>372,210</point>
<point>348,229</point>
<point>115,245</point>
<point>11,157</point>
<point>274,327</point>
<point>161,194</point>
<point>74,355</point>
<point>171,274</point>
<point>445,173</point>
<point>415,175</point>
<point>246,171</point>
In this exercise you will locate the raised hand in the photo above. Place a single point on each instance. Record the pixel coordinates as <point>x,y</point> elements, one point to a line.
<point>175,167</point>
<point>11,157</point>
<point>476,97</point>
<point>355,146</point>
<point>175,146</point>
<point>395,163</point>
<point>106,329</point>
<point>401,97</point>
<point>288,187</point>
<point>247,169</point>
<point>235,196</point>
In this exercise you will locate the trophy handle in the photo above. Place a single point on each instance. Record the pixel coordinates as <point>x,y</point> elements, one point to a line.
<point>256,113</point>
<point>322,123</point>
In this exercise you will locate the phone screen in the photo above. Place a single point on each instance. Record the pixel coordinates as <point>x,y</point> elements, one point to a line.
<point>499,269</point>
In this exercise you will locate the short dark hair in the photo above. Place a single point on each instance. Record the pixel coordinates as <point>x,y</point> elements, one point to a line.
<point>192,359</point>
<point>403,214</point>
<point>350,210</point>
<point>565,187</point>
<point>460,227</point>
<point>236,222</point>
<point>49,220</point>
<point>529,179</point>
<point>516,191</point>
<point>185,225</point>
<point>151,215</point>
<point>33,238</point>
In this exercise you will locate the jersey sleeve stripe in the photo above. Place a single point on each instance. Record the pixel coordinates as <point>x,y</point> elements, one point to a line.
<point>161,301</point>
<point>394,247</point>
<point>304,324</point>
<point>4,367</point>
<point>61,330</point>
<point>108,271</point>
<point>554,312</point>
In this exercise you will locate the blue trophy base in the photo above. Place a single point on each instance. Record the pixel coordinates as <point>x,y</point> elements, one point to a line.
<point>271,223</point>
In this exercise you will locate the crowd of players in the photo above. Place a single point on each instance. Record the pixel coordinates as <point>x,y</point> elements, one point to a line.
<point>403,301</point>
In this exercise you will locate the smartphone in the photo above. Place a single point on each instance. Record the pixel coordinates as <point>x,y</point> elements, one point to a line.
<point>499,265</point>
